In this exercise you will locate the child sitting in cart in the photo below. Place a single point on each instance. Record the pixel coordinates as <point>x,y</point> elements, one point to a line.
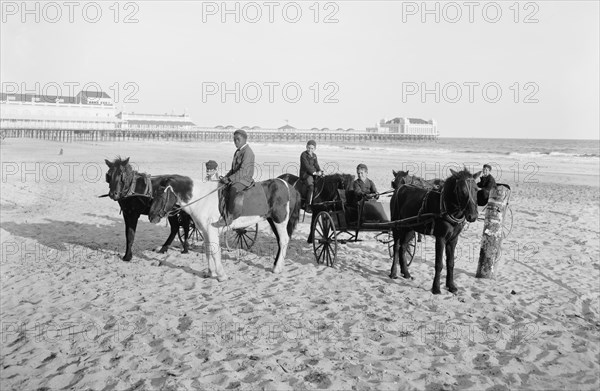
<point>364,189</point>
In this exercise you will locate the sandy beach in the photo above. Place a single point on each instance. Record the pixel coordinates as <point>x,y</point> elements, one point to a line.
<point>74,316</point>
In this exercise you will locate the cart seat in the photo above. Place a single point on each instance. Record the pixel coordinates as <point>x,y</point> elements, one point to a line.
<point>372,210</point>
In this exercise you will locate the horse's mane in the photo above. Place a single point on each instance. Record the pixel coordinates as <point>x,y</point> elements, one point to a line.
<point>415,180</point>
<point>124,163</point>
<point>450,183</point>
<point>345,179</point>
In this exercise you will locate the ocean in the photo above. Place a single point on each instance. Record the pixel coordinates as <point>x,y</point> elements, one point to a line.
<point>521,147</point>
<point>498,146</point>
<point>512,160</point>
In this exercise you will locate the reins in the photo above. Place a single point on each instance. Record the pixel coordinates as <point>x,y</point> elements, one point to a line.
<point>444,212</point>
<point>174,211</point>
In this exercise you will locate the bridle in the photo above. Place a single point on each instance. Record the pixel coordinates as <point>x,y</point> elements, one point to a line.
<point>127,179</point>
<point>126,182</point>
<point>452,216</point>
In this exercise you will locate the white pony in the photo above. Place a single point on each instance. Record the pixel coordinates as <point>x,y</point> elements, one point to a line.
<point>200,199</point>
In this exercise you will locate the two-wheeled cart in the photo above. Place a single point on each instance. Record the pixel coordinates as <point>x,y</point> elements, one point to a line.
<point>339,222</point>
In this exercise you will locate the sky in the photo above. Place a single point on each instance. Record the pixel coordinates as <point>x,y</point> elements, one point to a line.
<point>503,69</point>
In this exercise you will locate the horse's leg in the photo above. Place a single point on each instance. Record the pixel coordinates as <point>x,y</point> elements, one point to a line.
<point>131,220</point>
<point>213,253</point>
<point>394,271</point>
<point>450,247</point>
<point>440,243</point>
<point>405,237</point>
<point>208,252</point>
<point>174,224</point>
<point>312,226</point>
<point>283,239</point>
<point>185,223</point>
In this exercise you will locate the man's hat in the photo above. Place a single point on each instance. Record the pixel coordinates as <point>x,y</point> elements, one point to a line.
<point>488,166</point>
<point>362,166</point>
<point>211,165</point>
<point>241,132</point>
<point>311,142</point>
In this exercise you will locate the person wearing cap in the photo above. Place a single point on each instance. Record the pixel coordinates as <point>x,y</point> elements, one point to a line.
<point>241,173</point>
<point>211,171</point>
<point>363,187</point>
<point>486,184</point>
<point>309,168</point>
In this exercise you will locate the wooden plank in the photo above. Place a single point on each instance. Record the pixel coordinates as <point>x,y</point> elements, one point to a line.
<point>491,239</point>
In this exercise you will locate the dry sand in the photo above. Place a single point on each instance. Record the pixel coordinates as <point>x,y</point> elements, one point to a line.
<point>75,316</point>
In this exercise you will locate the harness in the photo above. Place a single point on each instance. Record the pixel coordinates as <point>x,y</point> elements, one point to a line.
<point>129,187</point>
<point>445,213</point>
<point>176,210</point>
<point>318,189</point>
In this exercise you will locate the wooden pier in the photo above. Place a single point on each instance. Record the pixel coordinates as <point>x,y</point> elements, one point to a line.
<point>212,135</point>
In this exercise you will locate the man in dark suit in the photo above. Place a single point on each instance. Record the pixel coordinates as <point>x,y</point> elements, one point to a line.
<point>486,184</point>
<point>309,168</point>
<point>240,175</point>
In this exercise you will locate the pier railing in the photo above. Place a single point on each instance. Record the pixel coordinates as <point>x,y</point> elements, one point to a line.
<point>209,135</point>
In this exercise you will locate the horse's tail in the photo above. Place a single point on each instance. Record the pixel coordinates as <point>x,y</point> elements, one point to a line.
<point>295,202</point>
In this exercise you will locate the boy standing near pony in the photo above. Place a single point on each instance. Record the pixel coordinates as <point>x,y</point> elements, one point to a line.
<point>211,171</point>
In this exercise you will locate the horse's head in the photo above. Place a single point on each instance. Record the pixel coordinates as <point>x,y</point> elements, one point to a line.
<point>460,193</point>
<point>326,187</point>
<point>345,181</point>
<point>399,178</point>
<point>119,176</point>
<point>163,200</point>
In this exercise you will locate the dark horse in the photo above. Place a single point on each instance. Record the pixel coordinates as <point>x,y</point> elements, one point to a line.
<point>131,190</point>
<point>273,200</point>
<point>326,189</point>
<point>438,213</point>
<point>403,178</point>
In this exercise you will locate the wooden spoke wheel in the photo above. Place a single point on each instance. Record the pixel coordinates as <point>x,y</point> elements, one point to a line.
<point>507,222</point>
<point>195,237</point>
<point>241,238</point>
<point>409,250</point>
<point>324,239</point>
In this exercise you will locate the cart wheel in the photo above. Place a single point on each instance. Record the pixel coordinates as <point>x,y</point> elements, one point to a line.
<point>409,251</point>
<point>241,238</point>
<point>324,239</point>
<point>195,237</point>
<point>507,222</point>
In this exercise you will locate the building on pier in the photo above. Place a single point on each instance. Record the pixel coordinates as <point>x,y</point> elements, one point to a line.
<point>86,110</point>
<point>154,122</point>
<point>408,126</point>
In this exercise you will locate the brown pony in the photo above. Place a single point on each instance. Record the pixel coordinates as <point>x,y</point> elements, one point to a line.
<point>326,189</point>
<point>438,213</point>
<point>132,191</point>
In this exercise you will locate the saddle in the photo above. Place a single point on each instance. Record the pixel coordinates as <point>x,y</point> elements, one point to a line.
<point>251,201</point>
<point>140,186</point>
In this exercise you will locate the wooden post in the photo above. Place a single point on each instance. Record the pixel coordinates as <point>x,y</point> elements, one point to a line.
<point>491,239</point>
